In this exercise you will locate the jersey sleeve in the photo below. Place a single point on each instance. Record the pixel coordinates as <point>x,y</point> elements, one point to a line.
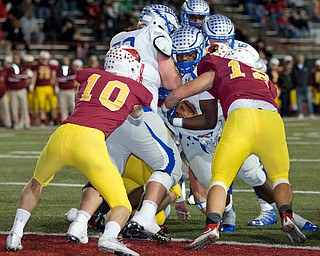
<point>273,89</point>
<point>205,65</point>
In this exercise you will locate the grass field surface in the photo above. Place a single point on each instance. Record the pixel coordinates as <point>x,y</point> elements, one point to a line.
<point>19,151</point>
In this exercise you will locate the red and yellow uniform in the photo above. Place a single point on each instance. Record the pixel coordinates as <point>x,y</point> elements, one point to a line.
<point>104,102</point>
<point>248,129</point>
<point>44,86</point>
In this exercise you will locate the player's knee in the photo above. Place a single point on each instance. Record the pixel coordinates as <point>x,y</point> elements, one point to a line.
<point>163,178</point>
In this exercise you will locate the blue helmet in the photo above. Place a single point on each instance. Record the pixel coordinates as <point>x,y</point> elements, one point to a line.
<point>160,15</point>
<point>219,28</point>
<point>194,7</point>
<point>185,40</point>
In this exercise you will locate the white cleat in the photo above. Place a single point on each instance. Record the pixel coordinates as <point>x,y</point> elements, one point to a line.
<point>14,242</point>
<point>209,236</point>
<point>113,245</point>
<point>292,231</point>
<point>77,233</point>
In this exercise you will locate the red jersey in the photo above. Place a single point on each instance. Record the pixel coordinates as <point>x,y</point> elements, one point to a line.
<point>105,100</point>
<point>45,73</point>
<point>65,77</point>
<point>234,80</point>
<point>3,87</point>
<point>17,77</point>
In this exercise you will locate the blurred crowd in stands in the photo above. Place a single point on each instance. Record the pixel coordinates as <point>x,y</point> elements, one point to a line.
<point>290,18</point>
<point>38,21</point>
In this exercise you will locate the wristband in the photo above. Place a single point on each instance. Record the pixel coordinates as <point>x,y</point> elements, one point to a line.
<point>178,122</point>
<point>164,109</point>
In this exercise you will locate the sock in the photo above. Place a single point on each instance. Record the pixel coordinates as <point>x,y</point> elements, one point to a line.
<point>285,208</point>
<point>112,229</point>
<point>148,209</point>
<point>213,218</point>
<point>264,206</point>
<point>21,219</point>
<point>82,216</point>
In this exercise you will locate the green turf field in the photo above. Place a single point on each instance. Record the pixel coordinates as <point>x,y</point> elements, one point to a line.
<point>19,151</point>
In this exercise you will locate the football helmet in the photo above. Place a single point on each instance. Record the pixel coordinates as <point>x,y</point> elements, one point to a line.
<point>220,49</point>
<point>194,7</point>
<point>123,61</point>
<point>219,28</point>
<point>160,15</point>
<point>242,55</point>
<point>185,40</point>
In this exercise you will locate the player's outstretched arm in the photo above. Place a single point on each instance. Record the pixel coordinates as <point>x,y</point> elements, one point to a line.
<point>196,86</point>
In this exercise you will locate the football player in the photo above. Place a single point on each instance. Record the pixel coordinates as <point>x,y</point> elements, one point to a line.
<point>151,141</point>
<point>253,126</point>
<point>194,12</point>
<point>105,99</point>
<point>219,28</point>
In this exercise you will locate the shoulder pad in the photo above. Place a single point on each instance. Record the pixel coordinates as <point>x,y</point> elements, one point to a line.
<point>162,41</point>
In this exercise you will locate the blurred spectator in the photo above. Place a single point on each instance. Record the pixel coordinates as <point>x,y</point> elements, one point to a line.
<point>43,81</point>
<point>69,7</point>
<point>42,9</point>
<point>316,10</point>
<point>94,62</point>
<point>303,23</point>
<point>275,8</point>
<point>69,31</point>
<point>52,26</point>
<point>259,14</point>
<point>273,72</point>
<point>4,9</point>
<point>111,11</point>
<point>30,28</point>
<point>315,82</point>
<point>301,79</point>
<point>65,83</point>
<point>17,83</point>
<point>100,28</point>
<point>4,101</point>
<point>285,86</point>
<point>28,62</point>
<point>260,46</point>
<point>93,11</point>
<point>13,29</point>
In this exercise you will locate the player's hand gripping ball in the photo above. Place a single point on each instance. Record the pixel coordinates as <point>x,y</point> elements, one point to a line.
<point>186,109</point>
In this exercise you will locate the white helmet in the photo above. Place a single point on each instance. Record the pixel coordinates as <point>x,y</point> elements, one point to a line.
<point>242,55</point>
<point>220,49</point>
<point>185,40</point>
<point>123,61</point>
<point>220,28</point>
<point>194,7</point>
<point>160,15</point>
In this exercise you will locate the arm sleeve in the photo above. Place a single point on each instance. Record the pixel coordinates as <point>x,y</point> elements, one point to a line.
<point>205,65</point>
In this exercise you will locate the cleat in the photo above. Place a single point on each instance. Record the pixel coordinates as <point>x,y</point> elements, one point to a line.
<point>229,221</point>
<point>228,228</point>
<point>77,233</point>
<point>290,228</point>
<point>309,226</point>
<point>113,245</point>
<point>264,219</point>
<point>209,236</point>
<point>304,224</point>
<point>134,230</point>
<point>14,242</point>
